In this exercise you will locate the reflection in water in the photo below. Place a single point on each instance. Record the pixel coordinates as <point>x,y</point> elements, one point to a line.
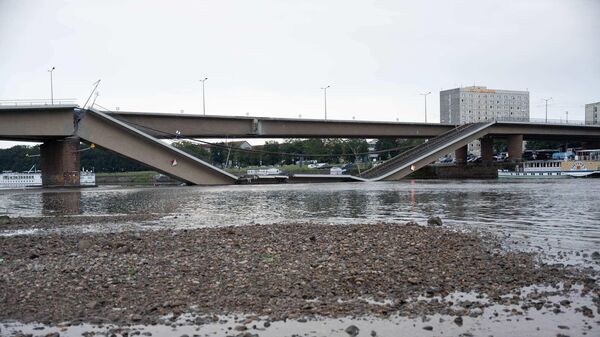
<point>566,209</point>
<point>61,203</point>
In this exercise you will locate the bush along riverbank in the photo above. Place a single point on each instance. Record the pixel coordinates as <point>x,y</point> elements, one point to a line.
<point>279,272</point>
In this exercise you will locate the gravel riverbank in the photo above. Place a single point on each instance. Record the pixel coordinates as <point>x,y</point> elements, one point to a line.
<point>292,271</point>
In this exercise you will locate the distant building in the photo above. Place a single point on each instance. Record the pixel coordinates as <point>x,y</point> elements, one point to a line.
<point>592,114</point>
<point>479,104</point>
<point>373,156</point>
<point>240,144</point>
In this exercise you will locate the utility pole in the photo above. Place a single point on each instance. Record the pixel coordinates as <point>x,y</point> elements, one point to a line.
<point>425,96</point>
<point>51,86</point>
<point>325,96</point>
<point>203,101</point>
<point>567,113</point>
<point>547,99</point>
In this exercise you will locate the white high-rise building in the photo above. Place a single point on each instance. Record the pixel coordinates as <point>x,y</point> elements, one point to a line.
<point>479,104</point>
<point>592,113</point>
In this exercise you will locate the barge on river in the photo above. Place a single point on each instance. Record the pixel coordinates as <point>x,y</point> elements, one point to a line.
<point>585,163</point>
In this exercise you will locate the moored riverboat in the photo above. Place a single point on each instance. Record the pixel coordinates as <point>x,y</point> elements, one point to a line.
<point>33,178</point>
<point>585,163</point>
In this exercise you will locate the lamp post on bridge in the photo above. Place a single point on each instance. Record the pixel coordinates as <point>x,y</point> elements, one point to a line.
<point>325,96</point>
<point>567,116</point>
<point>51,86</point>
<point>203,101</point>
<point>547,99</point>
<point>425,96</point>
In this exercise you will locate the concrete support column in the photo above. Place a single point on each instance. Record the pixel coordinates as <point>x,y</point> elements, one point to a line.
<point>461,155</point>
<point>487,150</point>
<point>515,147</point>
<point>59,161</point>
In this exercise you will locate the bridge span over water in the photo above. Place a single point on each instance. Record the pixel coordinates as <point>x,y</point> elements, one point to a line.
<point>136,135</point>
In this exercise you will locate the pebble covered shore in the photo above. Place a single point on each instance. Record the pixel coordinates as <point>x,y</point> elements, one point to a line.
<point>281,271</point>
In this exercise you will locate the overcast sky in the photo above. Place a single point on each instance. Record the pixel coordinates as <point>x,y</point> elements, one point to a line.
<point>270,58</point>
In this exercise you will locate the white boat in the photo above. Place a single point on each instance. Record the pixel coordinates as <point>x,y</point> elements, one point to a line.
<point>585,163</point>
<point>33,178</point>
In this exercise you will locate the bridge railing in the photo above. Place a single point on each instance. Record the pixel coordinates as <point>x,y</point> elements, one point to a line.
<point>38,102</point>
<point>541,120</point>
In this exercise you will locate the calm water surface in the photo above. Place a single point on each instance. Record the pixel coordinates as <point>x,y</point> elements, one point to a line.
<point>565,212</point>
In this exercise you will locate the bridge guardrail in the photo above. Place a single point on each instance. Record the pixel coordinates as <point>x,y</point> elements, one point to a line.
<point>541,120</point>
<point>38,102</point>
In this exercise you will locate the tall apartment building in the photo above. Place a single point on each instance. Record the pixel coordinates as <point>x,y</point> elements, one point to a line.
<point>479,104</point>
<point>592,115</point>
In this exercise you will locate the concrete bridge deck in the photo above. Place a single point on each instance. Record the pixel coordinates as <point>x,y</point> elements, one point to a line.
<point>135,135</point>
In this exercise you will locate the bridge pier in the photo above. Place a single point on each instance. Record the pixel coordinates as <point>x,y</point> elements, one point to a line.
<point>461,155</point>
<point>487,150</point>
<point>515,148</point>
<point>59,161</point>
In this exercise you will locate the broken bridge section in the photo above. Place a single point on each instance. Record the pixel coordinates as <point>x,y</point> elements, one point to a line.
<point>101,129</point>
<point>409,161</point>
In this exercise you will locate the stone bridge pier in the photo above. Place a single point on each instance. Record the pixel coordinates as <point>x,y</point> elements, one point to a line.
<point>59,161</point>
<point>487,150</point>
<point>515,148</point>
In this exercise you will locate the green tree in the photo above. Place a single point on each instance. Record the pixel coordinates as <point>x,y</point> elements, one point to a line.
<point>193,149</point>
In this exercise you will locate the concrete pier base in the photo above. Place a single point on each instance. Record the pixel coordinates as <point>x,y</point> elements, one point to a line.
<point>60,162</point>
<point>515,148</point>
<point>461,156</point>
<point>487,150</point>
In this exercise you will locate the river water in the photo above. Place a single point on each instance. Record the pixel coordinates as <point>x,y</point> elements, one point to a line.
<point>558,218</point>
<point>565,212</point>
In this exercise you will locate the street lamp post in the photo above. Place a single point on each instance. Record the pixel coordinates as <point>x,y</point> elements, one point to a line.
<point>325,96</point>
<point>547,99</point>
<point>51,86</point>
<point>425,96</point>
<point>203,99</point>
<point>567,116</point>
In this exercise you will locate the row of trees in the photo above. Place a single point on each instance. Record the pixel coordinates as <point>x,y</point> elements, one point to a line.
<point>21,158</point>
<point>329,150</point>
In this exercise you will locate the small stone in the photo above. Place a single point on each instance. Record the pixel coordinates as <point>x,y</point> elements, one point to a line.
<point>475,312</point>
<point>302,320</point>
<point>563,327</point>
<point>267,324</point>
<point>596,255</point>
<point>352,330</point>
<point>413,280</point>
<point>434,221</point>
<point>458,320</point>
<point>84,244</point>
<point>428,328</point>
<point>240,328</point>
<point>135,318</point>
<point>565,303</point>
<point>4,219</point>
<point>587,312</point>
<point>373,333</point>
<point>123,249</point>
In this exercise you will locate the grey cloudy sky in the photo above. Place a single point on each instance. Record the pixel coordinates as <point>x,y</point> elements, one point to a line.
<point>270,58</point>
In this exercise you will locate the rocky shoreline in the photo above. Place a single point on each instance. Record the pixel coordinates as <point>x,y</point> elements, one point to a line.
<point>277,272</point>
